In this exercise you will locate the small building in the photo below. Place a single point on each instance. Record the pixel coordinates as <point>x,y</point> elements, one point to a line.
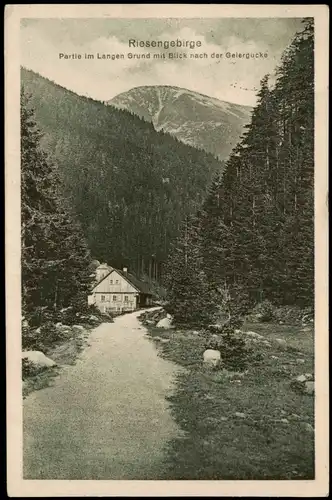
<point>119,291</point>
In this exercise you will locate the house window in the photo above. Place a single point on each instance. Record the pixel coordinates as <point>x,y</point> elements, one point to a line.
<point>126,298</point>
<point>117,282</point>
<point>111,282</point>
<point>103,298</point>
<point>114,298</point>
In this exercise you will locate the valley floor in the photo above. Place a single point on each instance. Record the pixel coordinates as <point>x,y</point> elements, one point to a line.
<point>123,412</point>
<point>245,426</point>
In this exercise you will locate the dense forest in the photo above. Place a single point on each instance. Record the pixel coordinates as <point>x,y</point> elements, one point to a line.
<point>56,261</point>
<point>253,237</point>
<point>129,185</point>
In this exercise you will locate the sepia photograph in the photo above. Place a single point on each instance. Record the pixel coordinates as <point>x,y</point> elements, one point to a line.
<point>167,256</point>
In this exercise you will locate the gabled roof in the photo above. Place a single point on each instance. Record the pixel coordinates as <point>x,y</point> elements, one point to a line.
<point>133,280</point>
<point>139,285</point>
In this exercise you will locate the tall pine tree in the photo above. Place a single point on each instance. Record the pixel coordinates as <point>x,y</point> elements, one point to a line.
<point>55,258</point>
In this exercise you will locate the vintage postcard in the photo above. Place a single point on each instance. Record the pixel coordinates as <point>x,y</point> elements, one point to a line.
<point>166,250</point>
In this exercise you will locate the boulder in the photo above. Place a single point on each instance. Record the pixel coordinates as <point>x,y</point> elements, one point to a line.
<point>301,378</point>
<point>38,358</point>
<point>309,387</point>
<point>58,325</point>
<point>164,323</point>
<point>308,427</point>
<point>281,342</point>
<point>240,414</point>
<point>211,357</point>
<point>78,327</point>
<point>300,360</point>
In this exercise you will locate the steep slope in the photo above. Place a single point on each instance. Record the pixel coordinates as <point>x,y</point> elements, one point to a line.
<point>130,185</point>
<point>195,119</point>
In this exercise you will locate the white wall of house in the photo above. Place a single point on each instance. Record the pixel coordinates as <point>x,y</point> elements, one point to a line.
<point>114,294</point>
<point>115,283</point>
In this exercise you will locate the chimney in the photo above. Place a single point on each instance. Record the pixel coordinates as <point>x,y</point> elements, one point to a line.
<point>125,269</point>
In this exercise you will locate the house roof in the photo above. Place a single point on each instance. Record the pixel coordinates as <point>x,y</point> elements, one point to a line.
<point>137,283</point>
<point>140,286</point>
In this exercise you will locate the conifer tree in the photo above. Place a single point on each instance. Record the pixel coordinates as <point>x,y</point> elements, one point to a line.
<point>55,258</point>
<point>257,222</point>
<point>189,296</point>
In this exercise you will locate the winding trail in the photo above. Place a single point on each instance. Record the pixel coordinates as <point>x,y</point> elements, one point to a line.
<point>106,417</point>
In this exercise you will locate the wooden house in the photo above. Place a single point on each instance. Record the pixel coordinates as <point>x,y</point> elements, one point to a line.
<point>119,291</point>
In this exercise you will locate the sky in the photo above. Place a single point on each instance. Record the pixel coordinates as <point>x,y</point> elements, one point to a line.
<point>229,79</point>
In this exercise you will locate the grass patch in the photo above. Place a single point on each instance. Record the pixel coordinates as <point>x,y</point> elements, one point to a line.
<point>63,353</point>
<point>241,426</point>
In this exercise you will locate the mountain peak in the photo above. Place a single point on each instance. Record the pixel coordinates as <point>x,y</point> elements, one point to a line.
<point>194,118</point>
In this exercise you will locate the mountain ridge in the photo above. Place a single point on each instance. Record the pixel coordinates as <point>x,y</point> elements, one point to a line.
<point>194,118</point>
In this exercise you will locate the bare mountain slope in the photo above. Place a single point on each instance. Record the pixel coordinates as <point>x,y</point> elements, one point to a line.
<point>201,121</point>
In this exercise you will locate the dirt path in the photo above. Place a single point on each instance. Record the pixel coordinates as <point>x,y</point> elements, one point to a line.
<point>106,417</point>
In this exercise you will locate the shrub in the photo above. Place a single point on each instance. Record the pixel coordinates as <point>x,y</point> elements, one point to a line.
<point>44,337</point>
<point>265,310</point>
<point>29,369</point>
<point>31,339</point>
<point>41,315</point>
<point>234,353</point>
<point>67,316</point>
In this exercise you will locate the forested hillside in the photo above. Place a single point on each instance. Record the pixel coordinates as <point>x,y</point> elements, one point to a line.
<point>55,257</point>
<point>254,235</point>
<point>129,185</point>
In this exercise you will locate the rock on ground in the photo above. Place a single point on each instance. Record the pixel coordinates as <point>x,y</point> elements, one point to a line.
<point>308,427</point>
<point>164,323</point>
<point>211,356</point>
<point>38,358</point>
<point>309,387</point>
<point>240,414</point>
